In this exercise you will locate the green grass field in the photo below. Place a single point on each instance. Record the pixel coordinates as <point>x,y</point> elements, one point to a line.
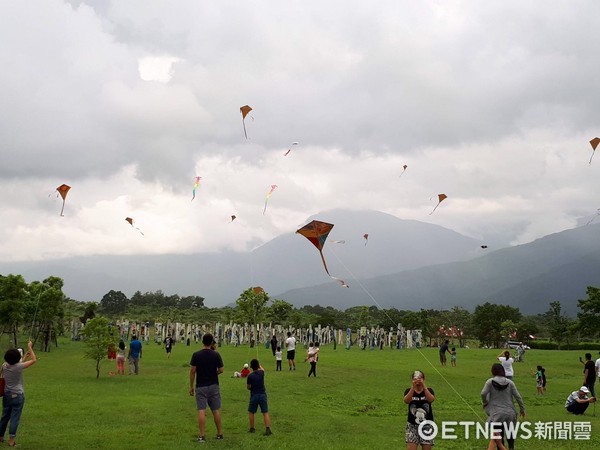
<point>355,402</point>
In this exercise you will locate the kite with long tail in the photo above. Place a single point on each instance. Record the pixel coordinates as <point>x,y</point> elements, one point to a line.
<point>63,190</point>
<point>594,143</point>
<point>290,149</point>
<point>245,110</point>
<point>273,187</point>
<point>316,232</point>
<point>404,167</point>
<point>366,236</point>
<point>441,198</point>
<point>196,184</point>
<point>131,221</point>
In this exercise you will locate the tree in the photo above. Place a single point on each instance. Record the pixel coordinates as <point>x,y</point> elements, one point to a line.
<point>557,323</point>
<point>89,312</point>
<point>97,339</point>
<point>251,306</point>
<point>589,317</point>
<point>487,321</point>
<point>114,302</point>
<point>13,295</point>
<point>49,312</point>
<point>279,311</point>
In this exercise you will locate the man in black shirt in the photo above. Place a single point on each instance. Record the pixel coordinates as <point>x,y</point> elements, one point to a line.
<point>205,367</point>
<point>589,373</point>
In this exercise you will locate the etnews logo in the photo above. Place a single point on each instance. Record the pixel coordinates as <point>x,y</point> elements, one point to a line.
<point>581,431</point>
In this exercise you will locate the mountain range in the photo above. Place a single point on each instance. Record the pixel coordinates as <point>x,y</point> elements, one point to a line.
<point>405,264</point>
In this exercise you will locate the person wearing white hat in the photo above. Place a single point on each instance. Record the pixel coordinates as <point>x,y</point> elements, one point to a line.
<point>579,400</point>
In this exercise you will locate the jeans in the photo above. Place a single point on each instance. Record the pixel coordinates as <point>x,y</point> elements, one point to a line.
<point>134,364</point>
<point>12,406</point>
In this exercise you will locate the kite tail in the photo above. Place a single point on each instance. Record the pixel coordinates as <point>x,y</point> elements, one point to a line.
<point>591,157</point>
<point>244,125</point>
<point>62,209</point>
<point>434,208</point>
<point>265,208</point>
<point>140,231</point>
<point>193,195</point>
<point>286,153</point>
<point>342,282</point>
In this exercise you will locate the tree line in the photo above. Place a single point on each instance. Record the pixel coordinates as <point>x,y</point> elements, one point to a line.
<point>42,311</point>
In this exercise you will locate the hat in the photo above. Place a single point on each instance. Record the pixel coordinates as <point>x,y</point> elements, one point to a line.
<point>246,366</point>
<point>584,389</point>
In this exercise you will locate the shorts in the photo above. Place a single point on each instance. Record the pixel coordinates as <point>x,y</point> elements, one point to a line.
<point>258,399</point>
<point>442,357</point>
<point>540,383</point>
<point>208,395</point>
<point>412,435</point>
<point>168,349</point>
<point>291,354</point>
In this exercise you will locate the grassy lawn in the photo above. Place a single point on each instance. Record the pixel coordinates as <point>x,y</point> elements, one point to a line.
<point>355,402</point>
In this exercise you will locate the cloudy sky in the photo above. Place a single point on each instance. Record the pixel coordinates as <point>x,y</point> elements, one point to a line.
<point>492,103</point>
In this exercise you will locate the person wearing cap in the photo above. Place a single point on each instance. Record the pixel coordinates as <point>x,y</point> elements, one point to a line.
<point>579,400</point>
<point>242,373</point>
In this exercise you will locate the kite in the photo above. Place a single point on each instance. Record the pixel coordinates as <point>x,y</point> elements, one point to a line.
<point>441,198</point>
<point>316,232</point>
<point>594,143</point>
<point>484,246</point>
<point>233,217</point>
<point>366,236</point>
<point>293,143</point>
<point>63,190</point>
<point>404,167</point>
<point>245,110</point>
<point>273,187</point>
<point>258,290</point>
<point>130,220</point>
<point>196,184</point>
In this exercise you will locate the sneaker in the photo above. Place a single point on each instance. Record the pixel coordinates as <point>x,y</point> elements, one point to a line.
<point>201,439</point>
<point>268,432</point>
<point>219,437</point>
<point>252,430</point>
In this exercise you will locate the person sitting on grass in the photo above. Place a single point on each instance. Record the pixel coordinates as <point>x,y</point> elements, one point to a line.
<point>243,373</point>
<point>579,400</point>
<point>258,396</point>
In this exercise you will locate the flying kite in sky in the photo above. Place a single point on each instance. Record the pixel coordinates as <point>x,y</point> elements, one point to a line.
<point>366,236</point>
<point>484,246</point>
<point>316,232</point>
<point>404,167</point>
<point>233,217</point>
<point>196,184</point>
<point>293,143</point>
<point>131,221</point>
<point>63,190</point>
<point>245,110</point>
<point>441,198</point>
<point>258,290</point>
<point>594,143</point>
<point>273,187</point>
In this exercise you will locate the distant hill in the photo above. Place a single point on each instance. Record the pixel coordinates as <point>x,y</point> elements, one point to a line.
<point>282,264</point>
<point>557,267</point>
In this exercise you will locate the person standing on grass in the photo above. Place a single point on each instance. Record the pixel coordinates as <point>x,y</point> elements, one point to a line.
<point>121,358</point>
<point>312,356</point>
<point>134,355</point>
<point>278,358</point>
<point>497,397</point>
<point>290,344</point>
<point>419,398</point>
<point>273,344</point>
<point>453,357</point>
<point>168,345</point>
<point>443,350</point>
<point>205,367</point>
<point>507,363</point>
<point>589,373</point>
<point>258,396</point>
<point>14,395</point>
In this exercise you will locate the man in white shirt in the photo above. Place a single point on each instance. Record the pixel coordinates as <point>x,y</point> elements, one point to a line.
<point>290,344</point>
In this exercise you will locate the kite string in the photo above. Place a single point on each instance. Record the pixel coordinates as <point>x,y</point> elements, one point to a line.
<point>418,349</point>
<point>34,314</point>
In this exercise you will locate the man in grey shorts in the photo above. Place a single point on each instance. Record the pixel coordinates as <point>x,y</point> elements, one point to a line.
<point>206,366</point>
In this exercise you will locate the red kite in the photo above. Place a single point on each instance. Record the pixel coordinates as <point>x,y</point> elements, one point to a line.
<point>316,232</point>
<point>130,220</point>
<point>245,110</point>
<point>404,167</point>
<point>63,190</point>
<point>366,236</point>
<point>273,187</point>
<point>258,290</point>
<point>594,143</point>
<point>441,198</point>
